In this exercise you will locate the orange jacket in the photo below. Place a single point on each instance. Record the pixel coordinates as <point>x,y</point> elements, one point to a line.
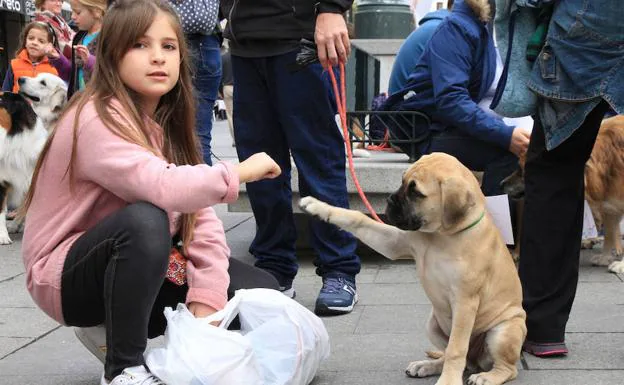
<point>22,66</point>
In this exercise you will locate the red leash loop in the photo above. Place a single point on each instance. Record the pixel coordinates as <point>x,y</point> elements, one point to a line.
<point>341,102</point>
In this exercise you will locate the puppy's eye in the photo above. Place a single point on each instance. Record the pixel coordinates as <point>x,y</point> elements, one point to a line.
<point>43,83</point>
<point>413,192</point>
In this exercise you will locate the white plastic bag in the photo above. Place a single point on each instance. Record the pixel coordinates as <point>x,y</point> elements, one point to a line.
<point>288,340</point>
<point>198,353</point>
<point>280,343</point>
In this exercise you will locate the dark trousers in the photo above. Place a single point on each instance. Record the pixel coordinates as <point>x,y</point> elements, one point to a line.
<point>206,51</point>
<point>552,227</point>
<point>281,113</point>
<point>115,274</point>
<point>496,163</point>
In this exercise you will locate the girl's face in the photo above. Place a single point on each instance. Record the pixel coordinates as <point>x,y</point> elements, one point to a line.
<point>84,18</point>
<point>53,6</point>
<point>151,67</point>
<point>36,44</point>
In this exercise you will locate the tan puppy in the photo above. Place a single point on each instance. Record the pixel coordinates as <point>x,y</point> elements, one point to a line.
<point>465,268</point>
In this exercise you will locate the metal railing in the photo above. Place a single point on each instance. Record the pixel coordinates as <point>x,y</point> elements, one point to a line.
<point>407,129</point>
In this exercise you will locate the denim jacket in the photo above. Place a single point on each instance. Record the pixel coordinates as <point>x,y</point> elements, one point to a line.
<point>581,63</point>
<point>453,75</point>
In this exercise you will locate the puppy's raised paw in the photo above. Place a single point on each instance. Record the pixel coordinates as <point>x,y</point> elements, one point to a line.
<point>424,368</point>
<point>315,207</point>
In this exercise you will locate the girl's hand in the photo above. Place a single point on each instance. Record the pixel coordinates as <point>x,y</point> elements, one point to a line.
<point>199,310</point>
<point>51,52</point>
<point>258,166</point>
<point>83,53</point>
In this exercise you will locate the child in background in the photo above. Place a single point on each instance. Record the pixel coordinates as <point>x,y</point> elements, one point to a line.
<point>88,15</point>
<point>31,60</point>
<point>119,182</point>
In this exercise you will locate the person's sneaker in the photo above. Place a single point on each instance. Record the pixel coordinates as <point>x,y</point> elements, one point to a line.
<point>94,339</point>
<point>136,375</point>
<point>288,291</point>
<point>338,296</point>
<point>545,349</point>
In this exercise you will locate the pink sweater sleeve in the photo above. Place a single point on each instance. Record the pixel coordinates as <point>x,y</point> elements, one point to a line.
<point>135,174</point>
<point>207,266</point>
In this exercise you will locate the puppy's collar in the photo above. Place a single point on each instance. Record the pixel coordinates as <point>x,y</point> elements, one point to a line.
<point>473,224</point>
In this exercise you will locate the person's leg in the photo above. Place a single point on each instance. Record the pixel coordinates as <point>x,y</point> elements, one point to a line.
<point>112,275</point>
<point>257,129</point>
<point>307,110</point>
<point>242,276</point>
<point>207,76</point>
<point>228,94</point>
<point>495,162</point>
<point>552,227</point>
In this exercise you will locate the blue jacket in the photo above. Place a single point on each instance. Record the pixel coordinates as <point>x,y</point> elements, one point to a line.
<point>581,64</point>
<point>454,73</point>
<point>412,48</point>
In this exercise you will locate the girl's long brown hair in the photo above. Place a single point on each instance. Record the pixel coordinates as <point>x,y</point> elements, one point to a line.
<point>126,21</point>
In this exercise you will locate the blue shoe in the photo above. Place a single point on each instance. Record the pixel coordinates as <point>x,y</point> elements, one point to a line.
<point>337,296</point>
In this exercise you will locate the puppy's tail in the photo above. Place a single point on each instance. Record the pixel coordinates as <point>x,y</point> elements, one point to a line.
<point>434,354</point>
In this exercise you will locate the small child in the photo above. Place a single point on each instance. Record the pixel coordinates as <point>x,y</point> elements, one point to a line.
<point>88,15</point>
<point>31,60</point>
<point>118,183</point>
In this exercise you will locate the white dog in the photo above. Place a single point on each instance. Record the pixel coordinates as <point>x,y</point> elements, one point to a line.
<point>25,120</point>
<point>47,94</point>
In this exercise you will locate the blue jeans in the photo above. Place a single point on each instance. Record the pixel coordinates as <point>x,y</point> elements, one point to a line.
<point>207,65</point>
<point>495,162</point>
<point>284,113</point>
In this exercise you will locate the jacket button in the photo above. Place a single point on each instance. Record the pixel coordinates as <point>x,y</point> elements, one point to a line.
<point>545,56</point>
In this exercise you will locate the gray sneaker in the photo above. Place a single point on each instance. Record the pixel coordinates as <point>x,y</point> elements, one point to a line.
<point>94,339</point>
<point>136,375</point>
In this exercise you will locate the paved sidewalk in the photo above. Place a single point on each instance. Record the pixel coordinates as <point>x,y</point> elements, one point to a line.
<point>372,345</point>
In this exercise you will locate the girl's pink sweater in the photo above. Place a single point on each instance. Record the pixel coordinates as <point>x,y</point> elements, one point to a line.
<point>110,173</point>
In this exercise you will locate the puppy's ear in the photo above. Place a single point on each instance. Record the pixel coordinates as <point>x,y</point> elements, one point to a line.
<point>456,200</point>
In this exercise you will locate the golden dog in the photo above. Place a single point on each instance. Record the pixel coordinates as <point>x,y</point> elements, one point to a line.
<point>604,190</point>
<point>439,218</point>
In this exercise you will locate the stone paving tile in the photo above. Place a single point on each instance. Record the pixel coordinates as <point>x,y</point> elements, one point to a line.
<point>24,322</point>
<point>394,319</point>
<point>13,293</point>
<point>10,344</point>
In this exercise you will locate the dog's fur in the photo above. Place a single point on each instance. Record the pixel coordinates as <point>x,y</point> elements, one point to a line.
<point>26,119</point>
<point>439,218</point>
<point>604,189</point>
<point>47,94</point>
<point>22,137</point>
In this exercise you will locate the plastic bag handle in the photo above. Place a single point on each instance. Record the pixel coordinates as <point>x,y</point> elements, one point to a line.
<point>229,312</point>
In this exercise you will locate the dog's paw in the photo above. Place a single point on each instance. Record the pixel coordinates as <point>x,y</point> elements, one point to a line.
<point>424,368</point>
<point>15,226</point>
<point>4,237</point>
<point>315,207</point>
<point>617,267</point>
<point>602,259</point>
<point>481,379</point>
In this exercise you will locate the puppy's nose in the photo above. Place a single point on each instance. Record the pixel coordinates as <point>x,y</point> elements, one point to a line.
<point>21,80</point>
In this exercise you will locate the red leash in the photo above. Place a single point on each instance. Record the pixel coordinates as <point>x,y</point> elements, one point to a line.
<point>341,102</point>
